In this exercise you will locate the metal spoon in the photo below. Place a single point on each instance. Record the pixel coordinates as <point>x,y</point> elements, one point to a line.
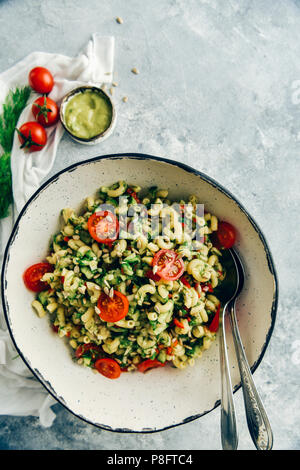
<point>226,293</point>
<point>258,423</point>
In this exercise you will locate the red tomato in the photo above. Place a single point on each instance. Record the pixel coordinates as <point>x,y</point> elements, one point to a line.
<point>163,258</point>
<point>152,276</point>
<point>32,276</point>
<point>207,288</point>
<point>113,309</point>
<point>41,80</point>
<point>103,226</point>
<point>178,323</point>
<point>226,235</point>
<point>150,364</point>
<point>108,367</point>
<point>214,325</point>
<point>133,194</point>
<point>32,136</point>
<point>83,348</point>
<point>173,271</point>
<point>167,265</point>
<point>45,111</point>
<point>185,282</point>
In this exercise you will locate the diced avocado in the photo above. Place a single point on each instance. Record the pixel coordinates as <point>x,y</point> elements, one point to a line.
<point>43,297</point>
<point>127,269</point>
<point>162,357</point>
<point>85,236</point>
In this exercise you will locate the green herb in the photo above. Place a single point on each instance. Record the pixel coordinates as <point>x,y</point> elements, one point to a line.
<point>191,352</point>
<point>5,184</point>
<point>152,192</point>
<point>13,105</point>
<point>194,322</point>
<point>127,269</point>
<point>153,324</point>
<point>125,342</point>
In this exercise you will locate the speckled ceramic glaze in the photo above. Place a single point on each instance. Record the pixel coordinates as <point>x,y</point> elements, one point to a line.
<point>163,397</point>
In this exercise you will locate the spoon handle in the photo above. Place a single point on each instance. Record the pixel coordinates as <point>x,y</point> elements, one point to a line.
<point>257,419</point>
<point>228,422</point>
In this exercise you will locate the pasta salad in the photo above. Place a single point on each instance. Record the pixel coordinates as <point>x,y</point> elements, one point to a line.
<point>129,281</point>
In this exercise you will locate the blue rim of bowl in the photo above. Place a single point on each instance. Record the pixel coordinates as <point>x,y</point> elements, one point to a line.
<point>187,168</point>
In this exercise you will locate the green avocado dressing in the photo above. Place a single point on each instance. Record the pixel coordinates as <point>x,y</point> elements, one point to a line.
<point>88,114</point>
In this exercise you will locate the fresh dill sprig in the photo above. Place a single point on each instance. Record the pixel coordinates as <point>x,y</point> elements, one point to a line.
<point>5,184</point>
<point>13,105</point>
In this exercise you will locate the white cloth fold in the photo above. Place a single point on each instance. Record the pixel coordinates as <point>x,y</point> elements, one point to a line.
<point>20,393</point>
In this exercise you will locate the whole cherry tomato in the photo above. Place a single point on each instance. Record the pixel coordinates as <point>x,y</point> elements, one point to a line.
<point>41,80</point>
<point>225,236</point>
<point>32,136</point>
<point>45,111</point>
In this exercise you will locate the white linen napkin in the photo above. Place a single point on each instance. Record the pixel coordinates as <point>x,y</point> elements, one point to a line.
<point>20,393</point>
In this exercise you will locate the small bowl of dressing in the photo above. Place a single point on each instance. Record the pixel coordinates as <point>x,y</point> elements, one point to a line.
<point>88,115</point>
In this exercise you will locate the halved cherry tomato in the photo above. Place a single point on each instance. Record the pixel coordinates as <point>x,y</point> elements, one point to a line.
<point>32,276</point>
<point>150,364</point>
<point>45,111</point>
<point>103,226</point>
<point>225,236</point>
<point>173,271</point>
<point>168,266</point>
<point>108,367</point>
<point>83,348</point>
<point>162,258</point>
<point>113,309</point>
<point>41,80</point>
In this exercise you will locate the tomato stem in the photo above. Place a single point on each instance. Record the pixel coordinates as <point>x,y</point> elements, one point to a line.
<point>27,141</point>
<point>43,110</point>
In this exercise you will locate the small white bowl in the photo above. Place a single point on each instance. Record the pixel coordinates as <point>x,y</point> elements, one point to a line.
<point>99,137</point>
<point>164,397</point>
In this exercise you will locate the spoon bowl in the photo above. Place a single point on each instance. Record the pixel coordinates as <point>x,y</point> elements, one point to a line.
<point>230,286</point>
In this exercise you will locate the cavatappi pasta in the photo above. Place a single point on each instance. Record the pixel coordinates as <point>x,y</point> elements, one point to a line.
<point>168,311</point>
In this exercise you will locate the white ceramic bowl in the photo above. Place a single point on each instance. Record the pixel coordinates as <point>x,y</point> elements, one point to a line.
<point>164,397</point>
